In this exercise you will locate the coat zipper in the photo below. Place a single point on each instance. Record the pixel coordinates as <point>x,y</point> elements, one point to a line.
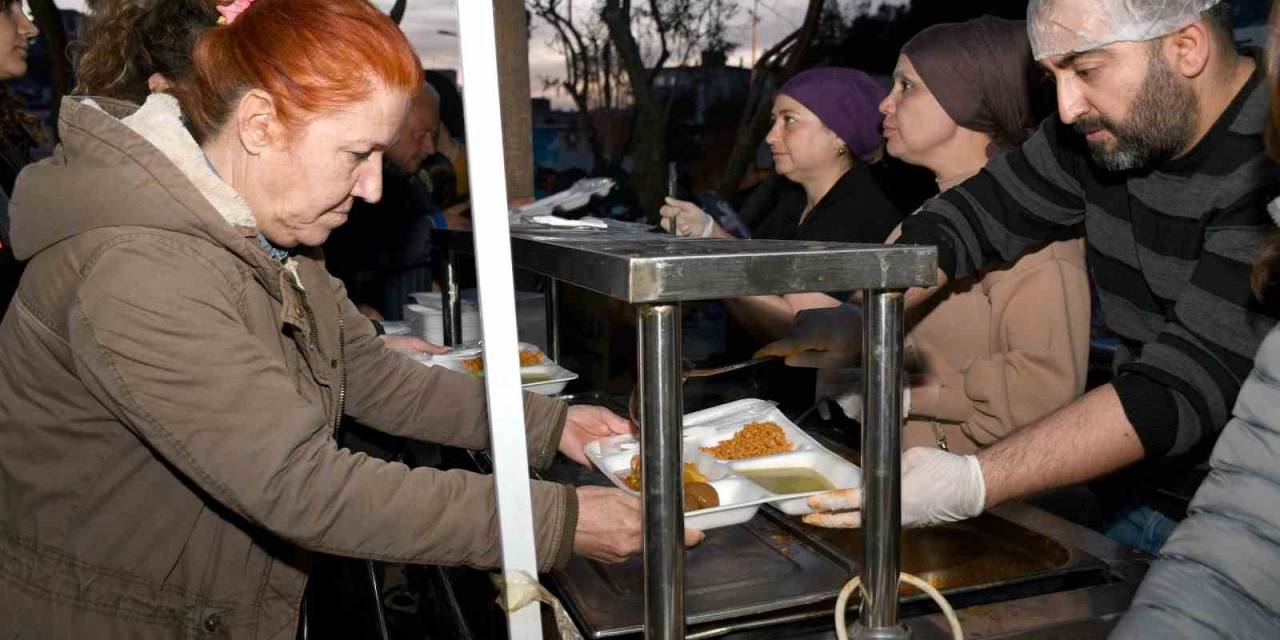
<point>342,362</point>
<point>342,353</point>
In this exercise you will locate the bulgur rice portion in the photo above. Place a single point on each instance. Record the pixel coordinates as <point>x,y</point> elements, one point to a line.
<point>754,440</point>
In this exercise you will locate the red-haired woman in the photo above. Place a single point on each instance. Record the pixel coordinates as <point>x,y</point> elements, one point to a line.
<point>178,359</point>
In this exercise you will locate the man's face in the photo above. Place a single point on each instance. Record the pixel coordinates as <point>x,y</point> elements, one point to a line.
<point>1132,108</point>
<point>417,134</point>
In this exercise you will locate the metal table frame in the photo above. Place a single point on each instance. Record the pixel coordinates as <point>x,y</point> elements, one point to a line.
<point>656,273</point>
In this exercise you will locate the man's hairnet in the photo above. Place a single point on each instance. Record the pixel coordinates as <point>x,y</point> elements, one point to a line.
<point>1058,27</point>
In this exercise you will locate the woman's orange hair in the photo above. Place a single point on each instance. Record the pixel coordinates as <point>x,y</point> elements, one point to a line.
<point>312,56</point>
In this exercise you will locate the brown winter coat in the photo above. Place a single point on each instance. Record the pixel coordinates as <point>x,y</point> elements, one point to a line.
<point>168,400</point>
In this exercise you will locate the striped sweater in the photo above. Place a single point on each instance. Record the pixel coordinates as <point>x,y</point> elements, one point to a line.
<point>1170,250</point>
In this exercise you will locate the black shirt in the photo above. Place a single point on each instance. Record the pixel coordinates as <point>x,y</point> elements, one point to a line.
<point>854,210</point>
<point>383,252</point>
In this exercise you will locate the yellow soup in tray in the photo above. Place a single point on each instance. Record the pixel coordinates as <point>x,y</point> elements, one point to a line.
<point>783,480</point>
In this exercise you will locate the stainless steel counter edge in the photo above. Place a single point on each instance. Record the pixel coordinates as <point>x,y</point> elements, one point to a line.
<point>653,268</point>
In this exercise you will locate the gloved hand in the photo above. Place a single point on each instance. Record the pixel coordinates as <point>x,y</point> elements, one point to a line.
<point>937,487</point>
<point>828,338</point>
<point>844,387</point>
<point>690,221</point>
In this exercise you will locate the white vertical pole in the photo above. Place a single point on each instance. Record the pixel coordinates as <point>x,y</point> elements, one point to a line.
<point>497,301</point>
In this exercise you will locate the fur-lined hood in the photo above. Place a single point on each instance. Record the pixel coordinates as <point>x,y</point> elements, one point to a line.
<point>120,165</point>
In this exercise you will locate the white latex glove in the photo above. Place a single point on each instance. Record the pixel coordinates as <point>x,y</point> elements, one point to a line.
<point>690,221</point>
<point>844,386</point>
<point>937,487</point>
<point>829,338</point>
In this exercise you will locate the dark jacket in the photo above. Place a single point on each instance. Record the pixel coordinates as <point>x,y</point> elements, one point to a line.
<point>383,253</point>
<point>854,210</point>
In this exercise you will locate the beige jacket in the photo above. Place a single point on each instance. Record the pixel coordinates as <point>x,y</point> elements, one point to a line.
<point>1005,350</point>
<point>168,398</point>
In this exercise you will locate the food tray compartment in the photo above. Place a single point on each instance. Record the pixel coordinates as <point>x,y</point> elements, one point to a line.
<point>741,497</point>
<point>831,469</point>
<point>546,378</point>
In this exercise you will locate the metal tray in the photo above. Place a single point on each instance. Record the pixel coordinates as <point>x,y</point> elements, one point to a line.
<point>737,571</point>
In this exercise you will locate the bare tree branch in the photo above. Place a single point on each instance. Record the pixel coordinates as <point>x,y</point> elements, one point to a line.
<point>778,63</point>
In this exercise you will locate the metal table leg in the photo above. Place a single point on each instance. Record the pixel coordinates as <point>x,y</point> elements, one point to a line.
<point>881,464</point>
<point>661,413</point>
<point>553,318</point>
<point>451,298</point>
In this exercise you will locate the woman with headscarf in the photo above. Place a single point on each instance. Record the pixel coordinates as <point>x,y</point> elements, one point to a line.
<point>825,126</point>
<point>1012,346</point>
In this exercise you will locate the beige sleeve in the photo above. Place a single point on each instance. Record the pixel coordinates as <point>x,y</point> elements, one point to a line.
<point>1040,325</point>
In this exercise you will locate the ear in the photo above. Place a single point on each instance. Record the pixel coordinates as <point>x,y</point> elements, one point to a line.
<point>258,122</point>
<point>157,83</point>
<point>1190,48</point>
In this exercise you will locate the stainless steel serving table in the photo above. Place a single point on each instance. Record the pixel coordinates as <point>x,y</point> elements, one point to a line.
<point>656,273</point>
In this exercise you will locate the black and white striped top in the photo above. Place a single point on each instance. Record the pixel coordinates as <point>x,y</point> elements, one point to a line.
<point>1170,251</point>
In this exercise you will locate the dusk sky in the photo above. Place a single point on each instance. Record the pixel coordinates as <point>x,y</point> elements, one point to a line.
<point>424,20</point>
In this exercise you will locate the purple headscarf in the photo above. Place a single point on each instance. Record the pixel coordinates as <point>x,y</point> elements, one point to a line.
<point>982,74</point>
<point>846,100</point>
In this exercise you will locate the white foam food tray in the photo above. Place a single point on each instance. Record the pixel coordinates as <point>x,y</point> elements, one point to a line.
<point>547,378</point>
<point>740,498</point>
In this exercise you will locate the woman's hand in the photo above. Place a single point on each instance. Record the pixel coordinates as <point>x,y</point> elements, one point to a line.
<point>610,527</point>
<point>690,221</point>
<point>413,344</point>
<point>822,339</point>
<point>585,424</point>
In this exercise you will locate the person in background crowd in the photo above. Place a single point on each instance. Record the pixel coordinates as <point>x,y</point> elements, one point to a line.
<point>177,342</point>
<point>1216,576</point>
<point>20,134</point>
<point>449,136</point>
<point>383,253</point>
<point>1009,347</point>
<point>131,49</point>
<point>1166,177</point>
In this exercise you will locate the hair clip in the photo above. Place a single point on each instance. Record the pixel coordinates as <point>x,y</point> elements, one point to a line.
<point>232,11</point>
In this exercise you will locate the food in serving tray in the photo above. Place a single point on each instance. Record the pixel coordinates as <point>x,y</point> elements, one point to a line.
<point>782,480</point>
<point>698,492</point>
<point>691,474</point>
<point>528,358</point>
<point>754,440</point>
<point>700,495</point>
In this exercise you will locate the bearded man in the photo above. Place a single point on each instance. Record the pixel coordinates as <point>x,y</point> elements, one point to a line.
<point>1156,157</point>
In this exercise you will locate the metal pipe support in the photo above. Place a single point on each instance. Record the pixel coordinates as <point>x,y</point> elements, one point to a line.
<point>882,337</point>
<point>661,415</point>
